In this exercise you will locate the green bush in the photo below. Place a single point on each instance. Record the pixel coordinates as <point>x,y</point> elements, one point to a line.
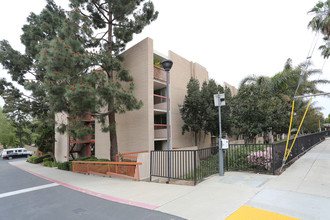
<point>48,159</point>
<point>35,159</point>
<point>86,159</point>
<point>103,160</point>
<point>65,165</point>
<point>238,157</point>
<point>31,159</point>
<point>91,159</point>
<point>49,163</point>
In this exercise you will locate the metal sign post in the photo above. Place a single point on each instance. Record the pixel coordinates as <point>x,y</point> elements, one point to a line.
<point>219,100</point>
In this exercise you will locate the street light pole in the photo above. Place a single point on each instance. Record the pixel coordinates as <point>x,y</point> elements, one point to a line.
<point>167,65</point>
<point>219,100</point>
<point>220,141</point>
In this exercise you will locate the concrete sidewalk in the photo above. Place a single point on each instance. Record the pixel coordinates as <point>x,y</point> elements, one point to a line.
<point>302,191</point>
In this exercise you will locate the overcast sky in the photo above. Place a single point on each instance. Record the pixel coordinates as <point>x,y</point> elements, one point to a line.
<point>232,39</point>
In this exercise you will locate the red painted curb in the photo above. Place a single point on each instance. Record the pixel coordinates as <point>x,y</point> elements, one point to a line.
<point>89,192</point>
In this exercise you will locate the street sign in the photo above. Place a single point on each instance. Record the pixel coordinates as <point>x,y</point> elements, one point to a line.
<point>219,100</point>
<point>216,99</point>
<point>225,144</point>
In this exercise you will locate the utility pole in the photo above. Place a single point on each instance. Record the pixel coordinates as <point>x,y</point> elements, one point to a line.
<point>219,100</point>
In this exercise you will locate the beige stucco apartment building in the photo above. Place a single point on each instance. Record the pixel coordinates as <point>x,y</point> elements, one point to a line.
<point>145,129</point>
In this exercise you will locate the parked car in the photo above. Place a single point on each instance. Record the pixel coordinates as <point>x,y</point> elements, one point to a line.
<point>15,152</point>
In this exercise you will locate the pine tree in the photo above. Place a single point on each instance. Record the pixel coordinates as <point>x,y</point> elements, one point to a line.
<point>7,131</point>
<point>85,71</point>
<point>191,110</point>
<point>211,113</point>
<point>23,69</point>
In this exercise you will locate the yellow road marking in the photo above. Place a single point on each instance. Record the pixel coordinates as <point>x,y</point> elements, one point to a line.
<point>251,213</point>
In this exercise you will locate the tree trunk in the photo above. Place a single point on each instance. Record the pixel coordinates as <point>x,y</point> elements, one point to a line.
<point>270,137</point>
<point>195,136</point>
<point>113,134</point>
<point>204,140</point>
<point>20,139</point>
<point>52,115</point>
<point>112,118</point>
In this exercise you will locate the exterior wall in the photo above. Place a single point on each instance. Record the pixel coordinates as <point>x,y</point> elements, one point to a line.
<point>199,72</point>
<point>233,89</point>
<point>62,140</point>
<point>144,169</point>
<point>102,140</point>
<point>180,75</point>
<point>135,130</point>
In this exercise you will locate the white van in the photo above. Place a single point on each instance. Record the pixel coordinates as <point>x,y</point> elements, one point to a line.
<point>15,152</point>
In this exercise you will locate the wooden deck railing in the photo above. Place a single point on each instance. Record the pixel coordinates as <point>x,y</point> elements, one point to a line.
<point>128,170</point>
<point>130,155</point>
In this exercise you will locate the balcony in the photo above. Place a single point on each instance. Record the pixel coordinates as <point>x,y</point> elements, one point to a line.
<point>159,78</point>
<point>159,104</point>
<point>160,132</point>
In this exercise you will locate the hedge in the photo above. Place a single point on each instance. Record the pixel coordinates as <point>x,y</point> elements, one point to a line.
<point>65,165</point>
<point>39,159</point>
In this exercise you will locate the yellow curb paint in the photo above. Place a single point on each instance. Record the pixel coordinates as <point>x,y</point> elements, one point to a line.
<point>251,213</point>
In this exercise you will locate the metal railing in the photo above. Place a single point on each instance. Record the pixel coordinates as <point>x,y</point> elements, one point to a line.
<point>301,145</point>
<point>194,165</point>
<point>249,157</point>
<point>191,165</point>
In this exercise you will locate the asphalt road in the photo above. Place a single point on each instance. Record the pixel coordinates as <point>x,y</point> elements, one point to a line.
<point>25,196</point>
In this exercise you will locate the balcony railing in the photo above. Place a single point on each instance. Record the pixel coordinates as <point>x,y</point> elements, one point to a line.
<point>159,74</point>
<point>160,102</point>
<point>160,131</point>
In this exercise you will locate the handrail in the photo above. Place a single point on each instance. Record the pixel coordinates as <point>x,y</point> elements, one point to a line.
<point>161,125</point>
<point>114,163</point>
<point>160,96</point>
<point>159,67</point>
<point>83,142</point>
<point>129,154</point>
<point>137,152</point>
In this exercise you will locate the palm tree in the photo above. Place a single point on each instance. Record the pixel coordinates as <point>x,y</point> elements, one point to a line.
<point>321,22</point>
<point>286,82</point>
<point>265,103</point>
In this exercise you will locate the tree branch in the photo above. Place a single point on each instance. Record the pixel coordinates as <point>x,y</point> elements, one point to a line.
<point>91,17</point>
<point>100,8</point>
<point>99,39</point>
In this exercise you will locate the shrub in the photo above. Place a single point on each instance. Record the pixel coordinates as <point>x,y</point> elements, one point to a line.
<point>90,159</point>
<point>48,159</point>
<point>65,166</point>
<point>103,160</point>
<point>86,159</point>
<point>39,159</point>
<point>241,156</point>
<point>31,159</point>
<point>261,158</point>
<point>49,163</point>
